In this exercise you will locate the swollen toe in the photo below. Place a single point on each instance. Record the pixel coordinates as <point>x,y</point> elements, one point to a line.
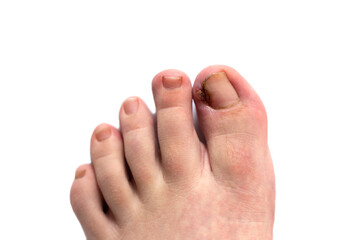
<point>233,120</point>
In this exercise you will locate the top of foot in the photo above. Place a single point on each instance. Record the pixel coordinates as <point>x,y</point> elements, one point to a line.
<point>148,182</point>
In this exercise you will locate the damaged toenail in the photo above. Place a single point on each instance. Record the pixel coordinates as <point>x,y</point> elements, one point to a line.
<point>103,133</point>
<point>80,173</point>
<point>172,82</point>
<point>217,91</point>
<point>131,105</point>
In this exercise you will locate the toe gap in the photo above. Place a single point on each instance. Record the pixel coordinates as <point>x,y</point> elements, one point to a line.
<point>130,176</point>
<point>105,207</point>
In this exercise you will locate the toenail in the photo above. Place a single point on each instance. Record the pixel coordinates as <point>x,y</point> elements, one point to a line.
<point>131,105</point>
<point>172,82</point>
<point>103,133</point>
<point>218,92</point>
<point>80,173</point>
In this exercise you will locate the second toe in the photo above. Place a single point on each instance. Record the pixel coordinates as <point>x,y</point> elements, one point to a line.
<point>179,144</point>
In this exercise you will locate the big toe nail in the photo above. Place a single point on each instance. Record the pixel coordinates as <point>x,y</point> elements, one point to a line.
<point>218,92</point>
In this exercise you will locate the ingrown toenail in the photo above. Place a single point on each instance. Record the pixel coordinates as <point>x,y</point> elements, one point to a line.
<point>103,133</point>
<point>218,92</point>
<point>131,105</point>
<point>80,173</point>
<point>172,81</point>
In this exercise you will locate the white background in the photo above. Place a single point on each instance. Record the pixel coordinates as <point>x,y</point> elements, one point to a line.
<point>66,66</point>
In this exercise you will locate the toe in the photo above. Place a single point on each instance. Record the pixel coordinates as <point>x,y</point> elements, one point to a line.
<point>233,120</point>
<point>87,203</point>
<point>179,145</point>
<point>107,156</point>
<point>137,128</point>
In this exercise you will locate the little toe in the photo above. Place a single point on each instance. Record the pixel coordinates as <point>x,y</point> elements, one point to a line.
<point>107,156</point>
<point>137,128</point>
<point>234,122</point>
<point>87,203</point>
<point>179,145</point>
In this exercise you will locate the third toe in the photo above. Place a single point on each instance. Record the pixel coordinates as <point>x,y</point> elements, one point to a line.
<point>137,128</point>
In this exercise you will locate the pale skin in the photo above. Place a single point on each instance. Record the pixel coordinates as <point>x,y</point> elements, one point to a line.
<point>162,182</point>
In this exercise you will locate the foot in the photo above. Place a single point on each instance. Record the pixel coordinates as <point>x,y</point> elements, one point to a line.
<point>163,183</point>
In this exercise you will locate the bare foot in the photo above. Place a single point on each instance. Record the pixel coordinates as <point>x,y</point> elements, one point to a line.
<point>144,184</point>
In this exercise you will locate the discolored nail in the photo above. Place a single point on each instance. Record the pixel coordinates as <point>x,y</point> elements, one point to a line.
<point>172,82</point>
<point>217,91</point>
<point>80,173</point>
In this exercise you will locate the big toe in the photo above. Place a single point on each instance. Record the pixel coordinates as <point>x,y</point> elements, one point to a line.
<point>233,120</point>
